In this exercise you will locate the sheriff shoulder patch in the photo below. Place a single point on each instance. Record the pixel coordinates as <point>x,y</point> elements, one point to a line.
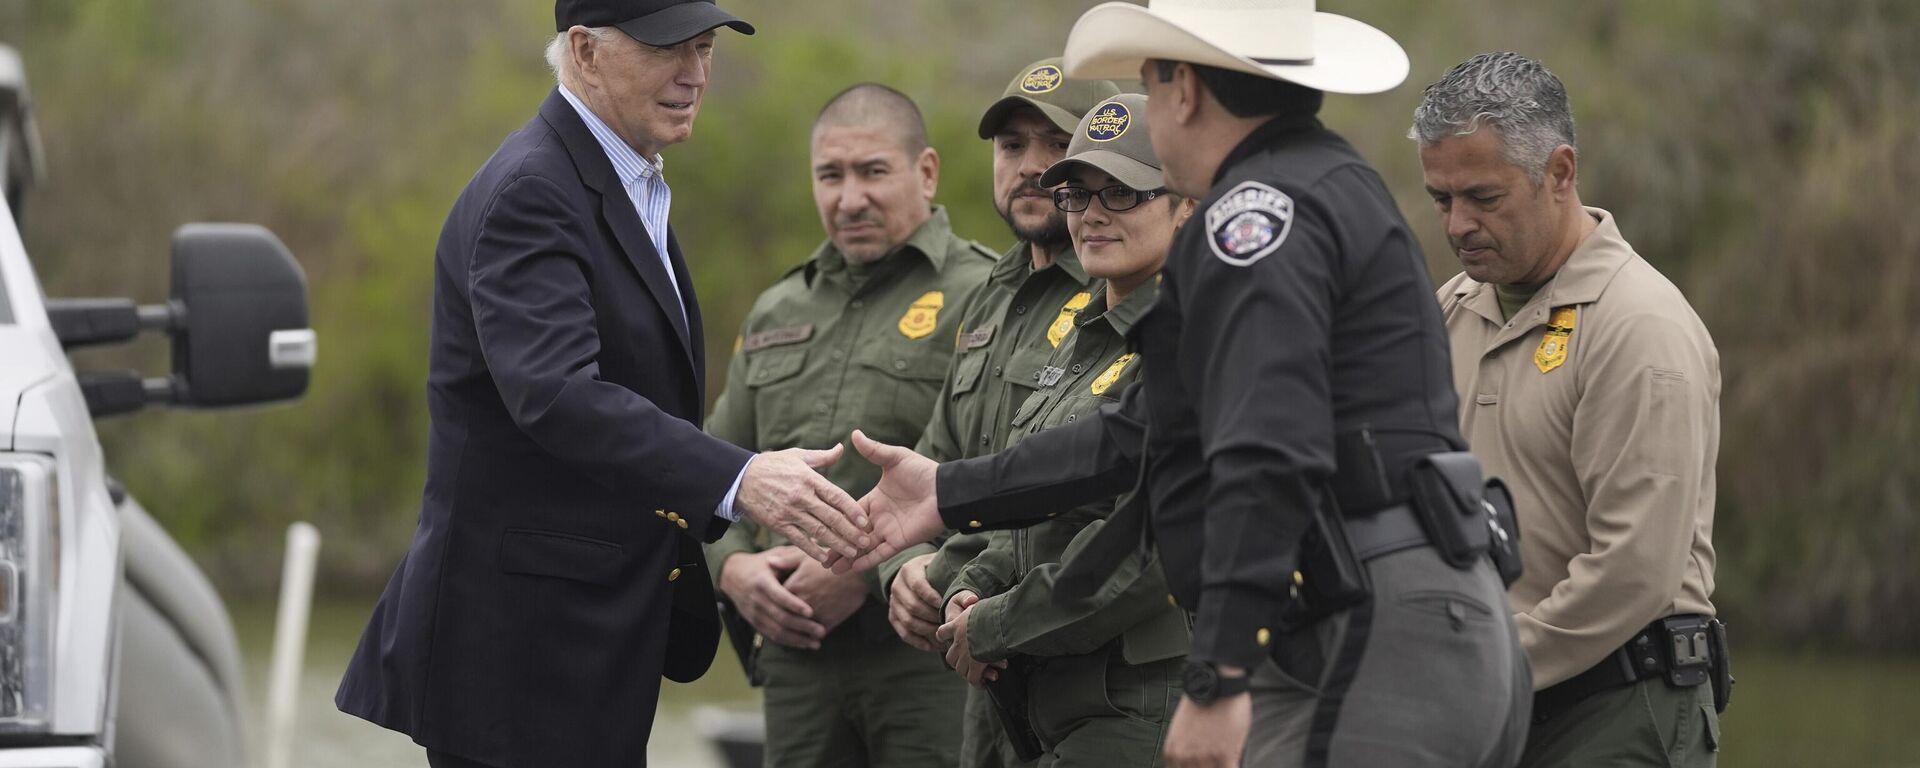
<point>1249,223</point>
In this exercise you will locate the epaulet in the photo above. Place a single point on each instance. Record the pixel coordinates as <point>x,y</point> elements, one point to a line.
<point>982,251</point>
<point>796,269</point>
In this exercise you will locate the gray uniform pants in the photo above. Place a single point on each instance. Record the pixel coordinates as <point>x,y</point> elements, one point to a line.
<point>1428,672</point>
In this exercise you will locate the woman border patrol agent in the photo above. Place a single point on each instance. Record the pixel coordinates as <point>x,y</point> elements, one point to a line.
<point>1089,682</point>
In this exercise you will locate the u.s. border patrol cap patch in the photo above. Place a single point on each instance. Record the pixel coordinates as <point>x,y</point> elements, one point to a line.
<point>1249,223</point>
<point>1042,79</point>
<point>1110,121</point>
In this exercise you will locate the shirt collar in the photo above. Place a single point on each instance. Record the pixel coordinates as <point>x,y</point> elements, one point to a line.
<point>1121,318</point>
<point>1585,276</point>
<point>930,240</point>
<point>1017,262</point>
<point>628,165</point>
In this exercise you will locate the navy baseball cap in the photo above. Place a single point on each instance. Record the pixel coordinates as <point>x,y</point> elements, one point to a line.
<point>654,22</point>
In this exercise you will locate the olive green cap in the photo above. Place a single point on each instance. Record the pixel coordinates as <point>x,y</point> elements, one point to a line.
<point>1044,86</point>
<point>1113,138</point>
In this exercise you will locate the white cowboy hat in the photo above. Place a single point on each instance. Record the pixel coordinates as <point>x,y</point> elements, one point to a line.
<point>1281,39</point>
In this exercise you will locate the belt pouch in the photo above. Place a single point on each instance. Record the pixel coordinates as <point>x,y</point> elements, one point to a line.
<point>1447,499</point>
<point>1722,666</point>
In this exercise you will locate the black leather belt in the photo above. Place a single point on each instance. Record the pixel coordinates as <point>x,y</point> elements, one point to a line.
<point>1385,532</point>
<point>1641,658</point>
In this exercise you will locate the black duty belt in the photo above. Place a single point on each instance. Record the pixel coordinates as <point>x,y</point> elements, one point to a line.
<point>1385,532</point>
<point>1664,648</point>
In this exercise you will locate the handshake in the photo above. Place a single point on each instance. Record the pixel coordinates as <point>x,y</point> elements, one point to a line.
<point>782,492</point>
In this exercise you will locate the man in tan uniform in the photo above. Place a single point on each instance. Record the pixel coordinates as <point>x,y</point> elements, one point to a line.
<point>1591,387</point>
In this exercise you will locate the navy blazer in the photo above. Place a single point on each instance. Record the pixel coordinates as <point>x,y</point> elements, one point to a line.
<point>556,574</point>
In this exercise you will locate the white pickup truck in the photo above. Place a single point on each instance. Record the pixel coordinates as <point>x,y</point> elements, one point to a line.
<point>114,648</point>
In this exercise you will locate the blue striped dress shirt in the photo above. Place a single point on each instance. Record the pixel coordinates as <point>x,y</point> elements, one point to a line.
<point>646,186</point>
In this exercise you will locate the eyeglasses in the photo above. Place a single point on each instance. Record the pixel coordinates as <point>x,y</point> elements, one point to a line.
<point>1116,198</point>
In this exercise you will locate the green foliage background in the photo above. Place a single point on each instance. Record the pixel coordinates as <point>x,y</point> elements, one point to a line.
<point>1759,152</point>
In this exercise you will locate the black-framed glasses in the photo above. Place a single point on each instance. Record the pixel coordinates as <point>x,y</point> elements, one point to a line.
<point>1116,198</point>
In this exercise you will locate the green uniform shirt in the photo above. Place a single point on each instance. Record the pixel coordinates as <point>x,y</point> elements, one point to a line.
<point>1015,573</point>
<point>832,346</point>
<point>1010,325</point>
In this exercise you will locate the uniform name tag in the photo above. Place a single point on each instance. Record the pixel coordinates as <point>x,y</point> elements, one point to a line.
<point>777,337</point>
<point>1050,375</point>
<point>976,338</point>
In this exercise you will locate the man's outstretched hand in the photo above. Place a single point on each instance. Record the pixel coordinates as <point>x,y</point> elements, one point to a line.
<point>902,509</point>
<point>783,493</point>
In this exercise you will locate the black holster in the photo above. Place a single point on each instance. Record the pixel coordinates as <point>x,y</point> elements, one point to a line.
<point>1009,696</point>
<point>1332,575</point>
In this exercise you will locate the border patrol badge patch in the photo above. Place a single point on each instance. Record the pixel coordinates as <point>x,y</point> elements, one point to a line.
<point>1043,79</point>
<point>1249,223</point>
<point>1063,322</point>
<point>1110,121</point>
<point>1111,375</point>
<point>920,318</point>
<point>1553,344</point>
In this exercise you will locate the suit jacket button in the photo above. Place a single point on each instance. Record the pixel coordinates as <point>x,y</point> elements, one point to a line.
<point>673,574</point>
<point>682,522</point>
<point>973,524</point>
<point>660,513</point>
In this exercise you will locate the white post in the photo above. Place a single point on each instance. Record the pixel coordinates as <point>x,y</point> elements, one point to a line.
<point>290,641</point>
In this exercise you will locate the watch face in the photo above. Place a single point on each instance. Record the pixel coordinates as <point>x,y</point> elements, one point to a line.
<point>1201,682</point>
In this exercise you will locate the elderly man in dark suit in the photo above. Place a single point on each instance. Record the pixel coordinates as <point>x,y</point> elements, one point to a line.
<point>556,574</point>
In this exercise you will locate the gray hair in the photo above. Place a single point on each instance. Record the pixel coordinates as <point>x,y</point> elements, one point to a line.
<point>560,62</point>
<point>1523,102</point>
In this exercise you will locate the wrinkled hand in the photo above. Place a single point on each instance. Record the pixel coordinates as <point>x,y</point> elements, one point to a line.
<point>752,580</point>
<point>959,651</point>
<point>782,492</point>
<point>1212,736</point>
<point>833,596</point>
<point>913,605</point>
<point>902,508</point>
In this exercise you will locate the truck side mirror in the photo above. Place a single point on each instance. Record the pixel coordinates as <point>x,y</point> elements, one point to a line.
<point>242,334</point>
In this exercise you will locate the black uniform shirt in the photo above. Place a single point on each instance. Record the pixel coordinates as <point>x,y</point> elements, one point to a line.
<point>1296,307</point>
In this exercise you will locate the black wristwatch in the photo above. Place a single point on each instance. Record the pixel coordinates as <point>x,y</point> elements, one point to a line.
<point>1205,686</point>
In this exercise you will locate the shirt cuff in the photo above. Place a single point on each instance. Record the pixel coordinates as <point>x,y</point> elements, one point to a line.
<point>726,510</point>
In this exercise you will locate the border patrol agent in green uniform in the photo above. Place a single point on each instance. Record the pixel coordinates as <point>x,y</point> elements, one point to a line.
<point>1010,325</point>
<point>859,335</point>
<point>1100,675</point>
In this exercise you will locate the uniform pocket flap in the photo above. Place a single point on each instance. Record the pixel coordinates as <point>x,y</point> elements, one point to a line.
<point>561,555</point>
<point>770,365</point>
<point>905,363</point>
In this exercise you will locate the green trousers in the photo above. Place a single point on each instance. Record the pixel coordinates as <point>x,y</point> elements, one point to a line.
<point>984,743</point>
<point>864,699</point>
<point>1097,711</point>
<point>1645,724</point>
<point>1089,711</point>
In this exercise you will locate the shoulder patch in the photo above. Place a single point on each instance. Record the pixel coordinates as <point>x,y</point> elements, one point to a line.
<point>1249,223</point>
<point>982,251</point>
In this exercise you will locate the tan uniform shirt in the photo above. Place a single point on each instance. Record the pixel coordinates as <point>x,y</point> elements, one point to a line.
<point>1598,403</point>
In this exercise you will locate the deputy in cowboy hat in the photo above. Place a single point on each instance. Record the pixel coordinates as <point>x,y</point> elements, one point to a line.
<point>1296,378</point>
